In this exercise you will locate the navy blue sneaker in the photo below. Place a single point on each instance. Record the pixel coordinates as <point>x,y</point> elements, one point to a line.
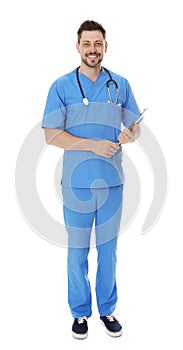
<point>80,327</point>
<point>112,325</point>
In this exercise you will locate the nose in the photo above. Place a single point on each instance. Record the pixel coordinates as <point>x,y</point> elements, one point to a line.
<point>93,48</point>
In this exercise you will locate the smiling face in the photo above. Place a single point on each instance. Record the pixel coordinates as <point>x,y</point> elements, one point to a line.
<point>91,47</point>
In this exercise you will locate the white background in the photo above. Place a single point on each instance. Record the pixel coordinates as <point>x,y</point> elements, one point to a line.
<point>37,46</point>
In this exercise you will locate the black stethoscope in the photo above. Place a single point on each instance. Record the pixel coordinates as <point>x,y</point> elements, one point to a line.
<point>111,80</point>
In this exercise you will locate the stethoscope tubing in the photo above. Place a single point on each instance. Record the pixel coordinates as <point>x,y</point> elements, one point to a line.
<point>79,83</point>
<point>109,81</point>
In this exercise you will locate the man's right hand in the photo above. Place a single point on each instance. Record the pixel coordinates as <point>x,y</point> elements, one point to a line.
<point>104,148</point>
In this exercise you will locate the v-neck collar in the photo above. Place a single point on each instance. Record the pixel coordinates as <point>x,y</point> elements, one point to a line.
<point>91,81</point>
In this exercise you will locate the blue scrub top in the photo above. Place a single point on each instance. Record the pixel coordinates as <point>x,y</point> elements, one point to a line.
<point>100,120</point>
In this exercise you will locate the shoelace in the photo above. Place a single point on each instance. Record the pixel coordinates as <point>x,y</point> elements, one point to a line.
<point>111,318</point>
<point>82,319</point>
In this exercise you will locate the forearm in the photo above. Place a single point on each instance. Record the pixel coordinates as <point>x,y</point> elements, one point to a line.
<point>65,140</point>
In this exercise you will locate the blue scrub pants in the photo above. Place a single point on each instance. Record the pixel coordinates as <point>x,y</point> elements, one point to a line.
<point>83,209</point>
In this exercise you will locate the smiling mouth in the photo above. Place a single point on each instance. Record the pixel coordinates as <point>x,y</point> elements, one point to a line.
<point>92,57</point>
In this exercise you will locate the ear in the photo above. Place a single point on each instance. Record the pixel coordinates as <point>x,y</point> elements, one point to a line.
<point>106,46</point>
<point>77,47</point>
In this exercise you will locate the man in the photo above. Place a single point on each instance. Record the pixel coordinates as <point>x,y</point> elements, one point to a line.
<point>84,114</point>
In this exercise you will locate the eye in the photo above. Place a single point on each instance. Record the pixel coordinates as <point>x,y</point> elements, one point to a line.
<point>86,44</point>
<point>98,44</point>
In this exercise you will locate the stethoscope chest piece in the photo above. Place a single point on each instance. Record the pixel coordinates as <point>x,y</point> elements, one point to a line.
<point>85,101</point>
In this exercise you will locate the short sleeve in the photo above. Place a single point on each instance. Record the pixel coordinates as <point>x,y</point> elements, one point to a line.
<point>55,111</point>
<point>131,111</point>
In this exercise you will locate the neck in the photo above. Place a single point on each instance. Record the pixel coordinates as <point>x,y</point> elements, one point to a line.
<point>91,72</point>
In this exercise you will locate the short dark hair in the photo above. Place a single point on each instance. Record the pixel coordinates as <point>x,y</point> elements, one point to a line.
<point>90,25</point>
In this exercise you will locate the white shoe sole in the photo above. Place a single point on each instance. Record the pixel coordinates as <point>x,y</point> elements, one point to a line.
<point>79,336</point>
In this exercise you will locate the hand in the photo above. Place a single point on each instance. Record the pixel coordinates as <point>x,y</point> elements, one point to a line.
<point>125,136</point>
<point>104,148</point>
<point>129,134</point>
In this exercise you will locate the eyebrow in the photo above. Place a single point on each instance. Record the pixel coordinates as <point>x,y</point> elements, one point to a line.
<point>88,41</point>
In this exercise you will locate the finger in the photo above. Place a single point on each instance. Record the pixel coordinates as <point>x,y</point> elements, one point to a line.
<point>108,155</point>
<point>115,146</point>
<point>128,133</point>
<point>110,152</point>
